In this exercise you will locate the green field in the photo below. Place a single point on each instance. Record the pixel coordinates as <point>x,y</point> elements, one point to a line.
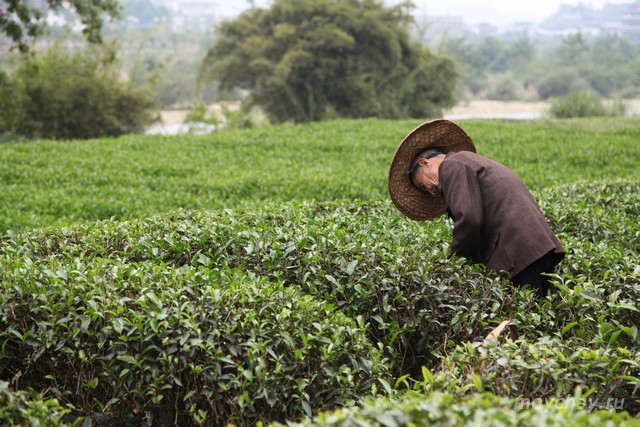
<point>264,275</point>
<point>59,183</point>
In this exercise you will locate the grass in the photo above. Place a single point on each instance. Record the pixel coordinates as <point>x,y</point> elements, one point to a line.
<point>288,286</point>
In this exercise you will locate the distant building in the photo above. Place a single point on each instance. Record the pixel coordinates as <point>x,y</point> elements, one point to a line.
<point>521,29</point>
<point>434,26</point>
<point>196,14</point>
<point>441,24</point>
<point>630,25</point>
<point>484,29</point>
<point>572,19</point>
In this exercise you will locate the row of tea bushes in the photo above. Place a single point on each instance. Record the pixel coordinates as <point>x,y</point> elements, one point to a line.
<point>135,176</point>
<point>478,409</point>
<point>287,310</point>
<point>22,408</point>
<point>120,342</point>
<point>539,370</point>
<point>393,272</point>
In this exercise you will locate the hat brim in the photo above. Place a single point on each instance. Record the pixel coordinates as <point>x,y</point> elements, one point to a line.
<point>414,203</point>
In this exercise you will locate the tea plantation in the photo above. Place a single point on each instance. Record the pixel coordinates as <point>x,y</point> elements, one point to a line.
<point>263,276</point>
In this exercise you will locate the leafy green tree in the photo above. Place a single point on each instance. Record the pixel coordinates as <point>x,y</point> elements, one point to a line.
<point>573,52</point>
<point>520,54</point>
<point>490,55</point>
<point>22,20</point>
<point>75,95</point>
<point>490,62</point>
<point>560,81</point>
<point>610,70</point>
<point>317,59</point>
<point>503,87</point>
<point>11,98</point>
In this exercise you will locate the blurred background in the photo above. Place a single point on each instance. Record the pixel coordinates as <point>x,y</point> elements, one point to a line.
<point>511,59</point>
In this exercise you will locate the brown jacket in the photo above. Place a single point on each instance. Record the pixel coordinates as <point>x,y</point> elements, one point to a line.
<point>496,220</point>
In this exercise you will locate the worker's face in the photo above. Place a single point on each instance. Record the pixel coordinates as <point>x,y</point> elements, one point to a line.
<point>426,176</point>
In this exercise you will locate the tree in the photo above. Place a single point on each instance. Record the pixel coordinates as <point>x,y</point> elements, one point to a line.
<point>315,59</point>
<point>22,20</point>
<point>574,51</point>
<point>65,95</point>
<point>610,70</point>
<point>520,54</point>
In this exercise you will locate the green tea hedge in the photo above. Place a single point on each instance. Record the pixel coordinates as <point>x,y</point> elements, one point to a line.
<point>480,409</point>
<point>124,342</point>
<point>135,176</point>
<point>21,408</point>
<point>544,369</point>
<point>277,312</point>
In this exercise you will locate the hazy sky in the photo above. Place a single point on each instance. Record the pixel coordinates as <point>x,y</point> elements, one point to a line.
<point>474,11</point>
<point>503,11</point>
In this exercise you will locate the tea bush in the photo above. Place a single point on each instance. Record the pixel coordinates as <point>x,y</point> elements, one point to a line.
<point>18,408</point>
<point>482,409</point>
<point>359,258</point>
<point>62,183</point>
<point>123,342</point>
<point>549,367</point>
<point>274,311</point>
<point>137,309</point>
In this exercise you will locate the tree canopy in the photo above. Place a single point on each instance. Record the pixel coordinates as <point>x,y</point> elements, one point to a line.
<point>67,94</point>
<point>22,20</point>
<point>308,60</point>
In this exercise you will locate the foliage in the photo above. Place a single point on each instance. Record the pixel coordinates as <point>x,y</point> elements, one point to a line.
<point>483,409</point>
<point>560,82</point>
<point>315,60</point>
<point>544,369</point>
<point>606,65</point>
<point>192,340</point>
<point>503,87</point>
<point>489,57</point>
<point>583,104</point>
<point>23,20</point>
<point>228,117</point>
<point>53,183</point>
<point>168,72</point>
<point>11,95</point>
<point>24,408</point>
<point>143,312</point>
<point>144,9</point>
<point>273,311</point>
<point>199,113</point>
<point>75,95</point>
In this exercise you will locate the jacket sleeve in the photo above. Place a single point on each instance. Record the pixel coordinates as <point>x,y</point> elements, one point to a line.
<point>463,198</point>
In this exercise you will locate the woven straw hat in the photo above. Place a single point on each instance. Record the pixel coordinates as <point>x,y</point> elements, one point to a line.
<point>442,134</point>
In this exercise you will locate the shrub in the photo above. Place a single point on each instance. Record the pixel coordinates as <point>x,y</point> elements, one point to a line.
<point>282,311</point>
<point>546,368</point>
<point>49,183</point>
<point>21,408</point>
<point>77,95</point>
<point>11,98</point>
<point>504,87</point>
<point>560,82</point>
<point>482,409</point>
<point>128,342</point>
<point>583,104</point>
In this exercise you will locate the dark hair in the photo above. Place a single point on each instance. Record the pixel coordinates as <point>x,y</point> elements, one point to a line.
<point>425,154</point>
